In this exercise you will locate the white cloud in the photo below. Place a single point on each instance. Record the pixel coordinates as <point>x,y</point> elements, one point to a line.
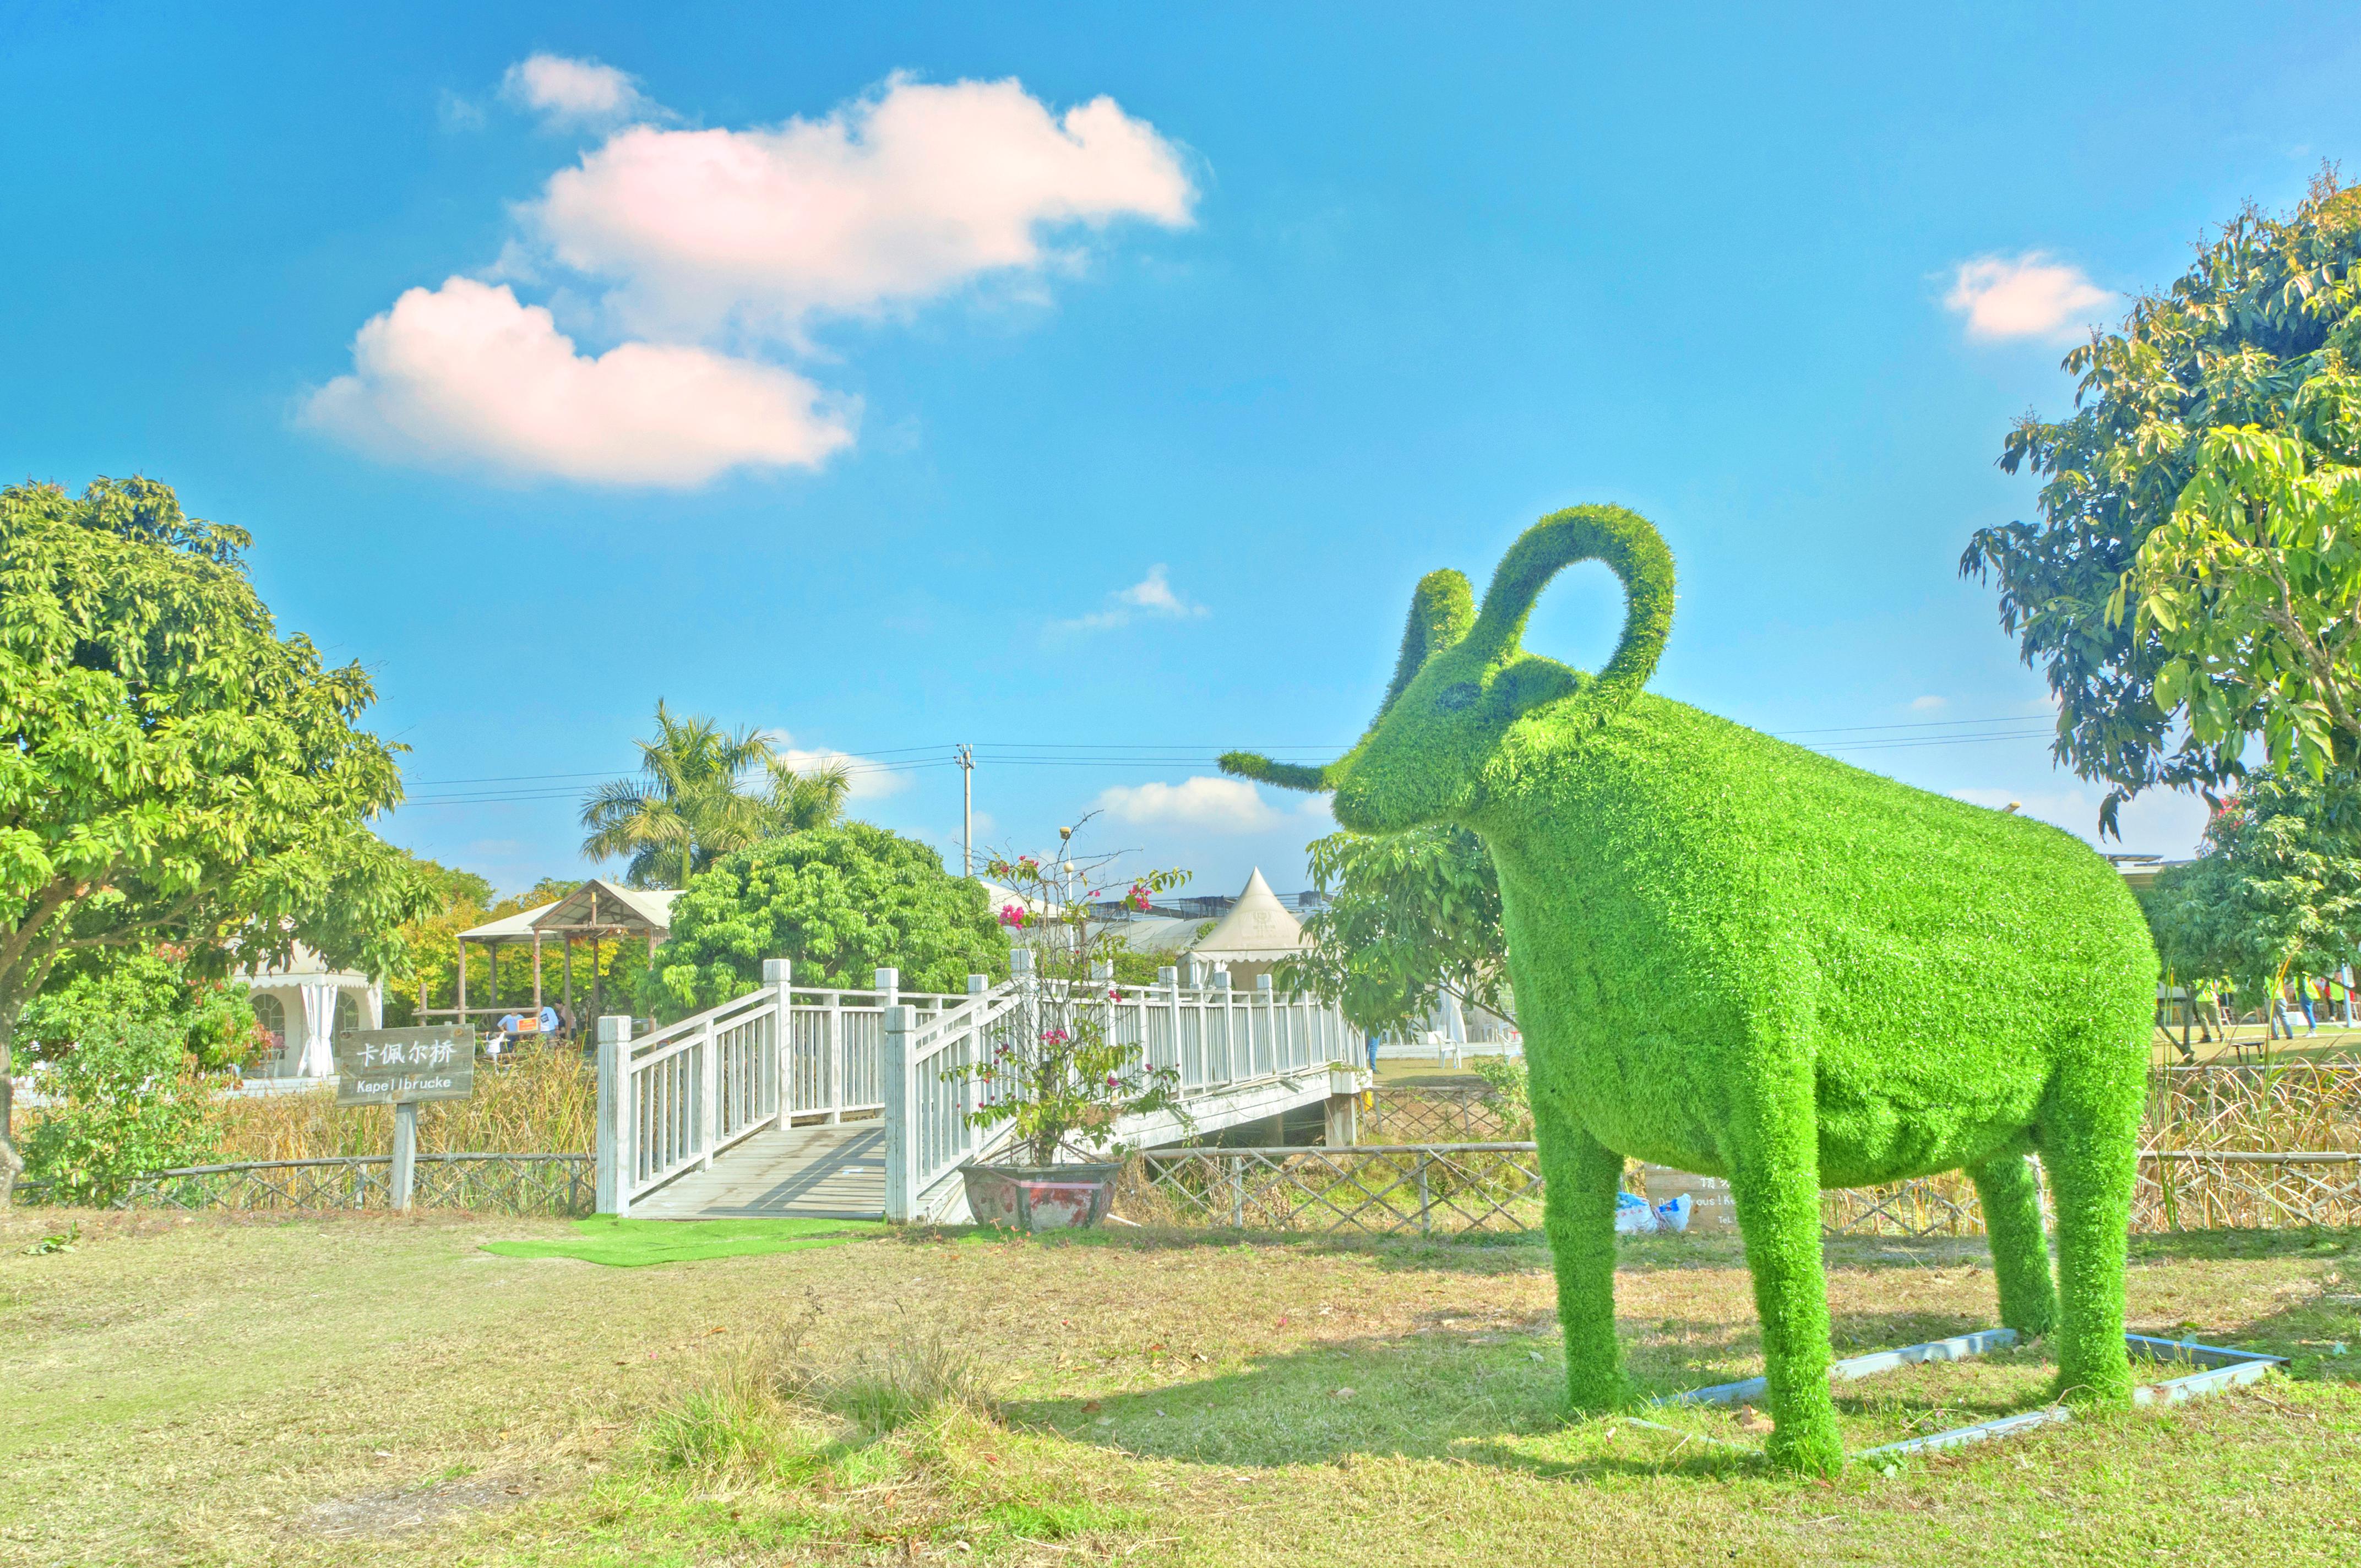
<point>870,782</point>
<point>569,93</point>
<point>1207,804</point>
<point>891,199</point>
<point>1150,597</point>
<point>465,374</point>
<point>2031,296</point>
<point>1928,704</point>
<point>692,238</point>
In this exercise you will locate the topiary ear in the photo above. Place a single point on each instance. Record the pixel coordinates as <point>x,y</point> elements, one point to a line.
<point>1441,611</point>
<point>1535,682</point>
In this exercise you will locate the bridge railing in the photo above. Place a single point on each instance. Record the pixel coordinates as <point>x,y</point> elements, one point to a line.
<point>1218,1040</point>
<point>672,1101</point>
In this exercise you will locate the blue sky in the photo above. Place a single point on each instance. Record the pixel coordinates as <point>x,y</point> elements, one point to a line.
<point>1101,377</point>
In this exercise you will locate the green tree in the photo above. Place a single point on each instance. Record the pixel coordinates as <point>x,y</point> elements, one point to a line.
<point>1413,916</point>
<point>691,802</point>
<point>2258,338</point>
<point>173,770</point>
<point>2253,586</point>
<point>837,901</point>
<point>127,1104</point>
<point>2273,891</point>
<point>99,993</point>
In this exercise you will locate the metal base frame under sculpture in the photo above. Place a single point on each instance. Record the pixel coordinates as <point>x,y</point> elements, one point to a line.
<point>2223,1369</point>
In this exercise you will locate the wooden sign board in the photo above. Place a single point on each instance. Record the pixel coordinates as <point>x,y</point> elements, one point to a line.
<point>399,1066</point>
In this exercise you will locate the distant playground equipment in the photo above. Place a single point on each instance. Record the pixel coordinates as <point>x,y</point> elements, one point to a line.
<point>1742,959</point>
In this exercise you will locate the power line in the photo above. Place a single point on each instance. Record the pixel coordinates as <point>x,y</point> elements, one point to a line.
<point>538,787</point>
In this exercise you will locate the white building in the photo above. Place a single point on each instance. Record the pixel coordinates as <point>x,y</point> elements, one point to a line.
<point>304,1004</point>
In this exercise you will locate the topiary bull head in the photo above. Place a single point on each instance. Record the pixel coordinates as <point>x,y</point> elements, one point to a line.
<point>1467,705</point>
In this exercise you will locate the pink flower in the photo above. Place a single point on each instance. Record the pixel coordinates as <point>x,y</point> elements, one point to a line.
<point>1014,914</point>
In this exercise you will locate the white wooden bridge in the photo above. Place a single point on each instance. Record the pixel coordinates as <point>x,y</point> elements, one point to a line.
<point>802,1101</point>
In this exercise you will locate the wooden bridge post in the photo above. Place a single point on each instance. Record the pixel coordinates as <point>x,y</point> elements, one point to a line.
<point>1268,1000</point>
<point>776,973</point>
<point>615,1100</point>
<point>899,1087</point>
<point>1229,1027</point>
<point>834,1051</point>
<point>708,1094</point>
<point>978,987</point>
<point>1169,978</point>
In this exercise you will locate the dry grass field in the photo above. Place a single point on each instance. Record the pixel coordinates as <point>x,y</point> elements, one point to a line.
<point>377,1389</point>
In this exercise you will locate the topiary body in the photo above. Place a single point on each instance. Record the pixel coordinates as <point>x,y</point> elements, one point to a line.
<point>1736,957</point>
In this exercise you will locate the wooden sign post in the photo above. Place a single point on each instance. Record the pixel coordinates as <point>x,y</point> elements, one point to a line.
<point>403,1067</point>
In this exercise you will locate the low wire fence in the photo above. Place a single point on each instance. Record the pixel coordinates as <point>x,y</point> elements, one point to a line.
<point>1478,1188</point>
<point>555,1184</point>
<point>2260,1107</point>
<point>1375,1190</point>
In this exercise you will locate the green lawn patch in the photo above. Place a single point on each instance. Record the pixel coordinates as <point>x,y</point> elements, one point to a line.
<point>635,1243</point>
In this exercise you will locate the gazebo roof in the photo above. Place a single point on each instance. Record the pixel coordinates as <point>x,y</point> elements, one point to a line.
<point>596,908</point>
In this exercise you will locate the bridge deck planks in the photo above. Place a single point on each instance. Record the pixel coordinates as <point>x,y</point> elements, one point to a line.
<point>831,1172</point>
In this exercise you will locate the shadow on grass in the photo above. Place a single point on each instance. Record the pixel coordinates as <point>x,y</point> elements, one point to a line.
<point>1483,1396</point>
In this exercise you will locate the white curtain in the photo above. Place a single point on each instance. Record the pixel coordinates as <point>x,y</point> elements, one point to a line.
<point>318,1059</point>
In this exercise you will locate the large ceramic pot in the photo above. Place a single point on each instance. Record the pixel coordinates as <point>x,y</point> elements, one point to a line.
<point>1039,1197</point>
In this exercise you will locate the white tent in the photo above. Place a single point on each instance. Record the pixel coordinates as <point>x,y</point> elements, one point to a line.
<point>1257,929</point>
<point>1249,940</point>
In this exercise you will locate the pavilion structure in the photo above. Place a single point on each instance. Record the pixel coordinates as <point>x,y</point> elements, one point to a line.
<point>596,912</point>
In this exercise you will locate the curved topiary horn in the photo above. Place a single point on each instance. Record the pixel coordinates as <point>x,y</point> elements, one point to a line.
<point>1630,547</point>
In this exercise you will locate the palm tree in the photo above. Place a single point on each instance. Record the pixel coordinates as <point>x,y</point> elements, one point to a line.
<point>690,805</point>
<point>807,798</point>
<point>684,809</point>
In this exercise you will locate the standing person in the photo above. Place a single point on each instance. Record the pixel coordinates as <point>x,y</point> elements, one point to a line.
<point>2303,1000</point>
<point>2209,1012</point>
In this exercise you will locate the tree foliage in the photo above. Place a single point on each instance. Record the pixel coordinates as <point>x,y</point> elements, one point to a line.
<point>839,903</point>
<point>1412,916</point>
<point>2253,587</point>
<point>2258,337</point>
<point>102,995</point>
<point>2274,890</point>
<point>691,802</point>
<point>173,771</point>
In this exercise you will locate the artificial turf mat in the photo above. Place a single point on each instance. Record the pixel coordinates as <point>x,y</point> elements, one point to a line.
<point>635,1243</point>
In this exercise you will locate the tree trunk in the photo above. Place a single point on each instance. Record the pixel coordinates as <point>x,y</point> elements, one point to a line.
<point>11,1162</point>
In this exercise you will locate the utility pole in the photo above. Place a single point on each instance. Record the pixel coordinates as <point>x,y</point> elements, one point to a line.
<point>966,757</point>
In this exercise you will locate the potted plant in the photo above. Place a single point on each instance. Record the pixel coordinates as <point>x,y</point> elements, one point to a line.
<point>1057,1083</point>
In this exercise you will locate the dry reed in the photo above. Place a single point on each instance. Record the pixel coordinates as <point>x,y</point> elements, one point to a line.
<point>540,1100</point>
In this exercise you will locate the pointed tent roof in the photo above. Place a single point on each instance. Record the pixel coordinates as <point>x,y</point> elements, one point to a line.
<point>1258,926</point>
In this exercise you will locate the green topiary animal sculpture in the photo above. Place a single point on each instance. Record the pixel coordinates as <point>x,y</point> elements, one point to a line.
<point>1739,957</point>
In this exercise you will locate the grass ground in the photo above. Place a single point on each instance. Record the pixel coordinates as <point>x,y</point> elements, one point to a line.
<point>379,1389</point>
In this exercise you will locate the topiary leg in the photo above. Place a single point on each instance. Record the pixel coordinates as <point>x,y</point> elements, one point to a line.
<point>2088,1142</point>
<point>1775,1180</point>
<point>2020,1248</point>
<point>1580,1177</point>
